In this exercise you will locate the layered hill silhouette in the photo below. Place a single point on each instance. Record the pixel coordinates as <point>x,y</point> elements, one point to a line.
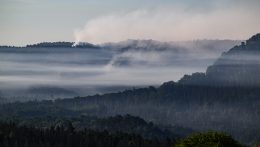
<point>240,66</point>
<point>201,101</point>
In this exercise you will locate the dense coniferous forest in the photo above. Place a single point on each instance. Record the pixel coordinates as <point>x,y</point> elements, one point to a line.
<point>12,135</point>
<point>201,108</point>
<point>225,98</point>
<point>126,124</point>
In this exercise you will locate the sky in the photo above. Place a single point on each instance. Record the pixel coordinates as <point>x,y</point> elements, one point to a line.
<point>97,21</point>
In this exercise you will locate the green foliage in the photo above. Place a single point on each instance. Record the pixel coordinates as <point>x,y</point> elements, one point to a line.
<point>210,139</point>
<point>257,144</point>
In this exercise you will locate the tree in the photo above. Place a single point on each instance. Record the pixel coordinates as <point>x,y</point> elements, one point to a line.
<point>209,139</point>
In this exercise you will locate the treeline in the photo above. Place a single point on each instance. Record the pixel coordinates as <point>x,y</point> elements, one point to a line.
<point>62,45</point>
<point>7,46</point>
<point>190,106</point>
<point>125,124</point>
<point>12,135</point>
<point>209,139</point>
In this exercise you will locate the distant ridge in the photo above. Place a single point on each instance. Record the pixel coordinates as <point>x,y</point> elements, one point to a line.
<point>136,45</point>
<point>60,44</point>
<point>239,66</point>
<point>63,45</point>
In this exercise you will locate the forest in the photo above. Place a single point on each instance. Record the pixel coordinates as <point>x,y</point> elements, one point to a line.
<point>12,135</point>
<point>223,99</point>
<point>129,73</point>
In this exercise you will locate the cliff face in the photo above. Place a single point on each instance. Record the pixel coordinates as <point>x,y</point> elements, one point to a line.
<point>239,66</point>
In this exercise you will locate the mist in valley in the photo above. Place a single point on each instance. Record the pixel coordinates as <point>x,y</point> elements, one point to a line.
<point>26,72</point>
<point>129,73</point>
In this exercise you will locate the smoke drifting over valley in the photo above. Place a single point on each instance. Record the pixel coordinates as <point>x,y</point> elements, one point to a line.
<point>168,23</point>
<point>110,67</point>
<point>129,73</point>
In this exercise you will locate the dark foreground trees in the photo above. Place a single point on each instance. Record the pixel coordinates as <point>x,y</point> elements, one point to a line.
<point>12,135</point>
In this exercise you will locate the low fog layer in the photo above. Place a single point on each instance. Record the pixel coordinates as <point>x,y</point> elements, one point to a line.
<point>113,67</point>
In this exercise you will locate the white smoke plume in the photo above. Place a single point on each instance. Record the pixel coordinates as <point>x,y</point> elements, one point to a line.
<point>171,24</point>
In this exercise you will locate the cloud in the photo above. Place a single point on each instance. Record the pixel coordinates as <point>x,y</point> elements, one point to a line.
<point>173,23</point>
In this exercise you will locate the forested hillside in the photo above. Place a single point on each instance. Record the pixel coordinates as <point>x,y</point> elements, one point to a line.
<point>240,66</point>
<point>202,101</point>
<point>125,124</point>
<point>231,109</point>
<point>12,136</point>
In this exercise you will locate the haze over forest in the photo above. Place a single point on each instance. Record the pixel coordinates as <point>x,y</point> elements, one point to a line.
<point>97,69</point>
<point>129,73</point>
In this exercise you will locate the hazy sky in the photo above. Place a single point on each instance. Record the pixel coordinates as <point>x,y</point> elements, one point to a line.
<point>29,21</point>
